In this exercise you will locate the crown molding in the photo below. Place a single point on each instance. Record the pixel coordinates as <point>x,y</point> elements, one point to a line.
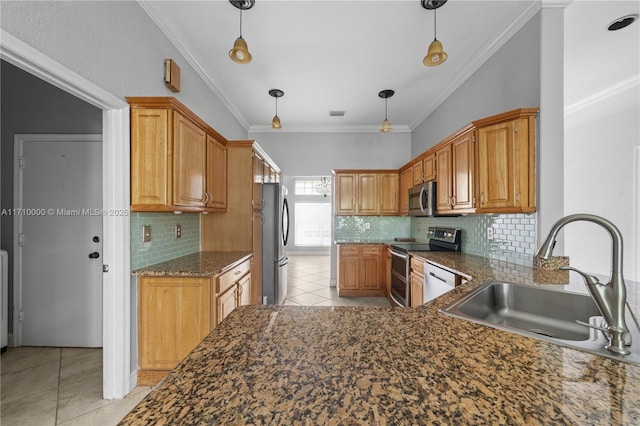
<point>339,129</point>
<point>165,24</point>
<point>555,4</point>
<point>628,84</point>
<point>482,56</point>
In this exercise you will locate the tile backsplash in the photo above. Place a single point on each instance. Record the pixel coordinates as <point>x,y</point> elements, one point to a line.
<point>163,245</point>
<point>380,227</point>
<point>514,235</point>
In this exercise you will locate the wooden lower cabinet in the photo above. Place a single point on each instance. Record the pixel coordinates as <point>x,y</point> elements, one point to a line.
<point>361,270</point>
<point>176,313</point>
<point>417,282</point>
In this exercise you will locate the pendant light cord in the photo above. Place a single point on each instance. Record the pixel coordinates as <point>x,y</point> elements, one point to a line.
<point>385,108</point>
<point>240,23</point>
<point>276,106</point>
<point>434,25</point>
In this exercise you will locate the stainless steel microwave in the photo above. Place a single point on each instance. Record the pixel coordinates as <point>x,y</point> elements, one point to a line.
<point>422,199</point>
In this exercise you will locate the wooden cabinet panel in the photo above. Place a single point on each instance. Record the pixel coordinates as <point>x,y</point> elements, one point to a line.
<point>225,303</point>
<point>258,179</point>
<point>150,157</point>
<point>367,191</point>
<point>173,317</point>
<point>406,182</point>
<point>346,193</point>
<point>462,150</point>
<point>496,179</point>
<point>216,174</point>
<point>189,150</point>
<point>244,290</point>
<point>444,186</point>
<point>417,289</point>
<point>418,175</point>
<point>429,167</point>
<point>360,270</point>
<point>388,193</point>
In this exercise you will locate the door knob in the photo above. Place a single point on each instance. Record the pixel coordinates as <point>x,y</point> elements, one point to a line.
<point>96,239</point>
<point>94,255</point>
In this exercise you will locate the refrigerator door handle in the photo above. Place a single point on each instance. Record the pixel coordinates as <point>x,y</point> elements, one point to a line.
<point>284,261</point>
<point>285,222</point>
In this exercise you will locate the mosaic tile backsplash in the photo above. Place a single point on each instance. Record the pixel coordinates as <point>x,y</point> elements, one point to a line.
<point>380,227</point>
<point>163,245</point>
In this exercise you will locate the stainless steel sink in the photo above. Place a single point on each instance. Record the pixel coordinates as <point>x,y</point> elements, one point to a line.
<point>540,312</point>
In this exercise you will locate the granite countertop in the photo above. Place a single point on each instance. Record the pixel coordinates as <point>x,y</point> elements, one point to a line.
<point>200,264</point>
<point>402,366</point>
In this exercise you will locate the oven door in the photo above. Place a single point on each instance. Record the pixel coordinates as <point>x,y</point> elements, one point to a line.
<point>399,283</point>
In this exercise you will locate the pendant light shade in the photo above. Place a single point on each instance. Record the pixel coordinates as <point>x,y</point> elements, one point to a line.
<point>240,52</point>
<point>276,93</point>
<point>386,124</point>
<point>436,54</point>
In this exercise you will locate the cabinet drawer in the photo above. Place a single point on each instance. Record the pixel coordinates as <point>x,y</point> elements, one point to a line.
<point>229,278</point>
<point>370,251</point>
<point>417,266</point>
<point>348,250</point>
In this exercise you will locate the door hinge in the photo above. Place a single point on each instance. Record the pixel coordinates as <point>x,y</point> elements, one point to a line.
<point>105,268</point>
<point>515,128</point>
<point>21,239</point>
<point>473,139</point>
<point>21,162</point>
<point>21,316</point>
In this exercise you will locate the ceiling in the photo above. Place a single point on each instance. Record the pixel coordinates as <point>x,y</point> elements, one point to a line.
<point>337,55</point>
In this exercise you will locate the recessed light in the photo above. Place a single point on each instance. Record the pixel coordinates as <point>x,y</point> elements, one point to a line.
<point>620,23</point>
<point>336,113</point>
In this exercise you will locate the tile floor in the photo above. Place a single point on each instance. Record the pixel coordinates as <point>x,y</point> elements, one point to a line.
<point>44,386</point>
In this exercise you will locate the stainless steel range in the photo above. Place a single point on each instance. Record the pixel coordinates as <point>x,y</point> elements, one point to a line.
<point>440,239</point>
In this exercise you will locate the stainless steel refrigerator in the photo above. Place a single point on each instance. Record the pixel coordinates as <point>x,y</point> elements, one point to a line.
<point>275,233</point>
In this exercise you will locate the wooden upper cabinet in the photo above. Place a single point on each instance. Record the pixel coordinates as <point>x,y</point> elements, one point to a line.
<point>418,174</point>
<point>189,172</point>
<point>216,194</point>
<point>506,162</point>
<point>455,171</point>
<point>368,193</point>
<point>389,200</point>
<point>429,167</point>
<point>150,159</point>
<point>346,193</point>
<point>171,149</point>
<point>406,182</point>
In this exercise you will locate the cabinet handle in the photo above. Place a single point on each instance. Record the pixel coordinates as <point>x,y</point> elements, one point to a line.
<point>453,201</point>
<point>482,198</point>
<point>422,177</point>
<point>205,195</point>
<point>237,272</point>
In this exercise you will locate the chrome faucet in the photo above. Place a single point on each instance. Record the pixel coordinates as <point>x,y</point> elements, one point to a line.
<point>610,298</point>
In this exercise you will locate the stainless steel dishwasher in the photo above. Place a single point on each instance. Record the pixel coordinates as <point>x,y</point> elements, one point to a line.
<point>437,281</point>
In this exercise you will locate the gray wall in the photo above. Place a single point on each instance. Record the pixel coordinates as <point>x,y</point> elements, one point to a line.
<point>30,105</point>
<point>509,79</point>
<point>117,46</point>
<point>317,154</point>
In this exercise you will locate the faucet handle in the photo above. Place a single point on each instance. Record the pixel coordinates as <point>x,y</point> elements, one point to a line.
<point>590,279</point>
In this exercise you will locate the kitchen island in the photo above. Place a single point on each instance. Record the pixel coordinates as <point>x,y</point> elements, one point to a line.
<point>349,365</point>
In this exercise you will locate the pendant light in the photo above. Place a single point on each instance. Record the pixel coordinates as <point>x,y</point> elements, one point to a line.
<point>276,93</point>
<point>436,54</point>
<point>386,125</point>
<point>240,52</point>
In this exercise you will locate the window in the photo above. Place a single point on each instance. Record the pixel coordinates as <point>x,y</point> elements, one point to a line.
<point>313,224</point>
<point>313,186</point>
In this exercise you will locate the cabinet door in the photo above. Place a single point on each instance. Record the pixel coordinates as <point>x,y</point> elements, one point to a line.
<point>150,168</point>
<point>244,289</point>
<point>258,179</point>
<point>367,193</point>
<point>462,150</point>
<point>216,174</point>
<point>226,302</point>
<point>348,259</point>
<point>346,193</point>
<point>389,200</point>
<point>496,180</point>
<point>416,289</point>
<point>406,182</point>
<point>370,266</point>
<point>418,173</point>
<point>174,315</point>
<point>189,171</point>
<point>429,167</point>
<point>444,187</point>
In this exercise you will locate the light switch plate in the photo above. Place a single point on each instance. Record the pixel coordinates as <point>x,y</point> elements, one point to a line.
<point>146,233</point>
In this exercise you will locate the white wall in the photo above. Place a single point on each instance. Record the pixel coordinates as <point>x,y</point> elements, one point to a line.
<point>115,45</point>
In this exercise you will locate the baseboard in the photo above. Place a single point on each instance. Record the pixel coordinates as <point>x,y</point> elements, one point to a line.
<point>308,253</point>
<point>133,380</point>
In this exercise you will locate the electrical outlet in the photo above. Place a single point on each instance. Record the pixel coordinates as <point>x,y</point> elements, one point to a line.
<point>419,226</point>
<point>489,233</point>
<point>146,233</point>
<point>178,231</point>
<point>367,225</point>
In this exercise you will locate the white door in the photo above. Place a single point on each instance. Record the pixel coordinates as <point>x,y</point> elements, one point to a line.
<point>59,230</point>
